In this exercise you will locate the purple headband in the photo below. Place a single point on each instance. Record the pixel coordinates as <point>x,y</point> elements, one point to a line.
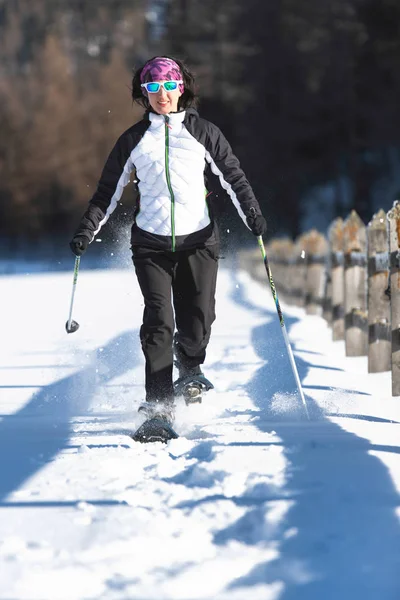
<point>161,69</point>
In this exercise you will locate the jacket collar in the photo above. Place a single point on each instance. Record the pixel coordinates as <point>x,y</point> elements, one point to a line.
<point>173,118</point>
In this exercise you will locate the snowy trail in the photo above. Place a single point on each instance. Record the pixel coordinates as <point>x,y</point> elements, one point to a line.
<point>252,500</point>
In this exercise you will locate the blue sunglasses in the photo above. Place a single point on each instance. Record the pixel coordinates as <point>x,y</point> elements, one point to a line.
<point>152,87</point>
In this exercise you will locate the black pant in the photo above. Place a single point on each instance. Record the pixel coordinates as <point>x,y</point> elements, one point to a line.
<point>189,276</point>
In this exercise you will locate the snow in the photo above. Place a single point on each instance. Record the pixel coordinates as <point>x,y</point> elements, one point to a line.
<point>252,501</point>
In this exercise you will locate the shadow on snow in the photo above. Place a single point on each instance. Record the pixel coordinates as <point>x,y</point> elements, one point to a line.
<point>340,535</point>
<point>32,437</point>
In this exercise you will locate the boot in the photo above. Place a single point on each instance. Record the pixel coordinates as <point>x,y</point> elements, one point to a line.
<point>184,364</point>
<point>161,410</point>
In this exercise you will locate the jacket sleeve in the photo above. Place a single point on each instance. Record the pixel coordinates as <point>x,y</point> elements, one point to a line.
<point>114,177</point>
<point>226,166</point>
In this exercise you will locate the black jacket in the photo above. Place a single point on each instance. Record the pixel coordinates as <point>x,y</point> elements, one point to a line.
<point>171,156</point>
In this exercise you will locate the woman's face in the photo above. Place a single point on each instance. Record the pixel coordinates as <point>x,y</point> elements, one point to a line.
<point>164,102</point>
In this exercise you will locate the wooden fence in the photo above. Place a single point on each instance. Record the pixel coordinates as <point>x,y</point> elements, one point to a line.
<point>351,278</point>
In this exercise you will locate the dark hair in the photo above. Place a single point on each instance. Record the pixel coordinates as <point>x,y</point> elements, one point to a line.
<point>188,98</point>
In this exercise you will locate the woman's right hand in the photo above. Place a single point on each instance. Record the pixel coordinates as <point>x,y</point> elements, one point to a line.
<point>79,244</point>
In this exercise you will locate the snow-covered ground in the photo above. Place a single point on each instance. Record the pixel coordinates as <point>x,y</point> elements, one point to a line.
<point>251,502</point>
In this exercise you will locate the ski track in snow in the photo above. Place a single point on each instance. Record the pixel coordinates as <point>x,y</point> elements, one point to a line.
<point>252,501</point>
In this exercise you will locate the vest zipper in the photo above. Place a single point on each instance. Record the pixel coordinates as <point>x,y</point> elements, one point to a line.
<point>167,127</point>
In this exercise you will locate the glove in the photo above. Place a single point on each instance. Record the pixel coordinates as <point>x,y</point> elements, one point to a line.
<point>257,223</point>
<point>79,244</point>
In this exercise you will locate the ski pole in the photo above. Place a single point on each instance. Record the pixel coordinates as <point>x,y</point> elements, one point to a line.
<point>283,326</point>
<point>72,326</point>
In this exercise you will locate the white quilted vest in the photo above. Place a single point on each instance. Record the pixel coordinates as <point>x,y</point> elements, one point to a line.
<point>170,164</point>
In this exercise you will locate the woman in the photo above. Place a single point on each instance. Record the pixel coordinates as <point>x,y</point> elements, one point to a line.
<point>175,241</point>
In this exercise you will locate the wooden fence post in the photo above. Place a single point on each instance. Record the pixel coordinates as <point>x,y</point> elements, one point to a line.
<point>316,250</point>
<point>327,301</point>
<point>337,277</point>
<point>394,263</point>
<point>379,339</point>
<point>355,297</point>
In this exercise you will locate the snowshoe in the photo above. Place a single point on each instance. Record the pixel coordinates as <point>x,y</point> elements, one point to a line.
<point>156,429</point>
<point>191,387</point>
<point>158,424</point>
